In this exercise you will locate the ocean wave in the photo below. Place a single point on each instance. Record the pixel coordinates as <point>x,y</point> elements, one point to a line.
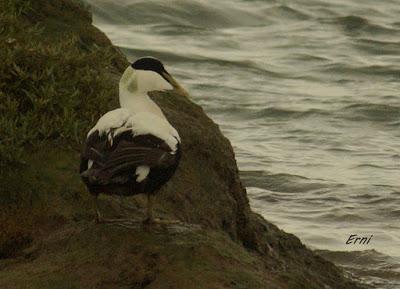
<point>211,15</point>
<point>285,183</point>
<point>218,14</point>
<point>189,58</point>
<point>389,72</point>
<point>383,200</point>
<point>354,24</point>
<point>372,267</point>
<point>266,198</point>
<point>285,11</point>
<point>394,213</point>
<point>372,111</point>
<point>342,217</point>
<point>310,58</point>
<point>275,112</point>
<point>373,166</point>
<point>365,196</point>
<point>341,150</point>
<point>379,47</point>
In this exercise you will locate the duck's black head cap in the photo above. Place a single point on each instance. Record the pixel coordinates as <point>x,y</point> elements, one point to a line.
<point>149,63</point>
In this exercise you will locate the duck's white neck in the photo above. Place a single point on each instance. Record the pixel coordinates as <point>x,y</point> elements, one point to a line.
<point>134,87</point>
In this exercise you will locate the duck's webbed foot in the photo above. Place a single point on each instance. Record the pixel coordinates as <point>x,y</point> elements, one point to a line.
<point>118,220</point>
<point>150,220</point>
<point>160,222</point>
<point>100,220</point>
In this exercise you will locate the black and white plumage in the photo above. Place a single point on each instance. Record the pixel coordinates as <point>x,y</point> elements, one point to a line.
<point>133,149</point>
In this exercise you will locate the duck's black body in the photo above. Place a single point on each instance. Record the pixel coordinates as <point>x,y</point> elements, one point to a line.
<point>114,165</point>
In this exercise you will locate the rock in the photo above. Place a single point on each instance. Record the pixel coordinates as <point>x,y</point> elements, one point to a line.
<point>207,190</point>
<point>222,244</point>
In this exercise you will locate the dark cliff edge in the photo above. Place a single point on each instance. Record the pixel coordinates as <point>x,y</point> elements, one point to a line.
<point>60,74</point>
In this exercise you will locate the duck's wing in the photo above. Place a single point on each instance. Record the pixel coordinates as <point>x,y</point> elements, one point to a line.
<point>138,151</point>
<point>100,138</point>
<point>115,156</point>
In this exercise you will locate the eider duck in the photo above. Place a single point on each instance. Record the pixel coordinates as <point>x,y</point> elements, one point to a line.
<point>133,149</point>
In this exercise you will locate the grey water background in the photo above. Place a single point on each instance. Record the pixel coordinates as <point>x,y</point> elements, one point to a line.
<point>308,92</point>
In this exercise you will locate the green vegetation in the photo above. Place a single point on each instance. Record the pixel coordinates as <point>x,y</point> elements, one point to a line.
<point>57,76</point>
<point>53,81</point>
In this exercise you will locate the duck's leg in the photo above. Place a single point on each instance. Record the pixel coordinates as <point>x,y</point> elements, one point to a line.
<point>98,219</point>
<point>149,210</point>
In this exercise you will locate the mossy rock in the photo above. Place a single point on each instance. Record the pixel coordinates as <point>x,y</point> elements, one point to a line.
<point>82,255</point>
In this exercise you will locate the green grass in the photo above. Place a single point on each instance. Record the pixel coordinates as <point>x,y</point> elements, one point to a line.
<point>54,81</point>
<point>58,74</point>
